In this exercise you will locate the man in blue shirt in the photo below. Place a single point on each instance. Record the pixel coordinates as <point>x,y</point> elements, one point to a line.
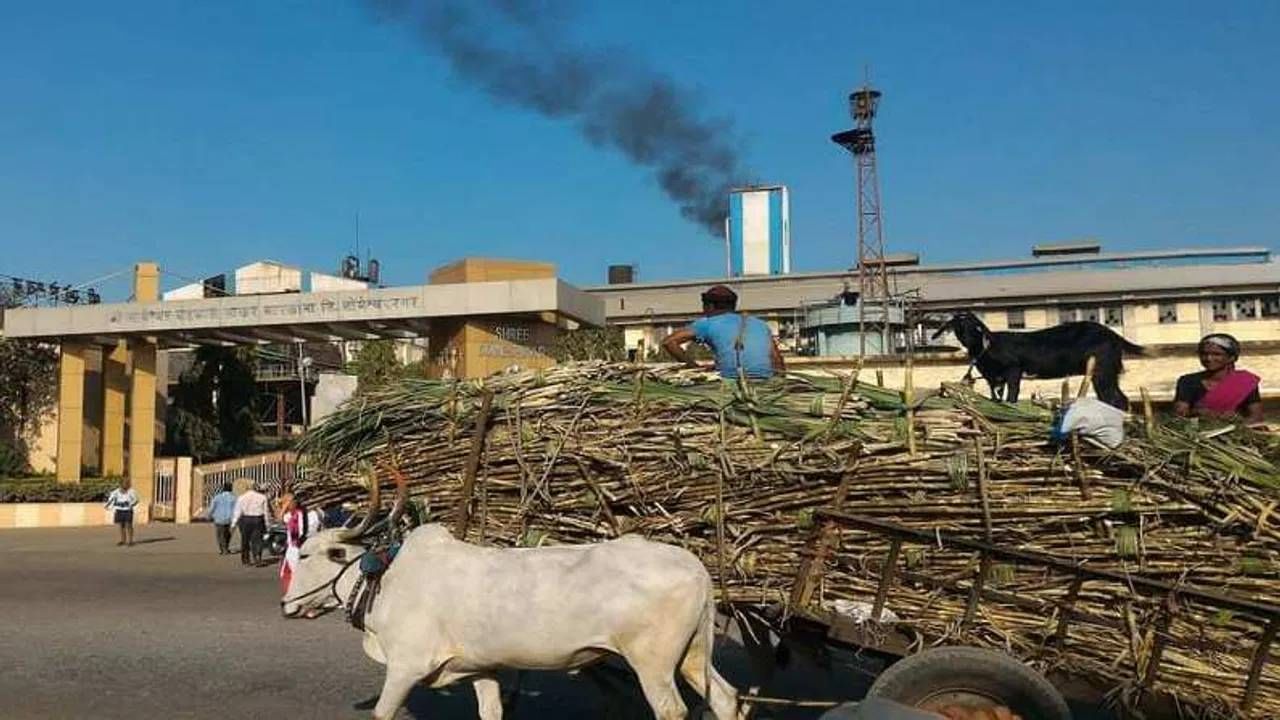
<point>737,340</point>
<point>221,507</point>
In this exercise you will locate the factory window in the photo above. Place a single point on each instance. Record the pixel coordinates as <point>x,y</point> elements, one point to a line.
<point>1221,310</point>
<point>1066,315</point>
<point>1090,314</point>
<point>1017,319</point>
<point>1270,306</point>
<point>1246,308</point>
<point>1168,313</point>
<point>1114,315</point>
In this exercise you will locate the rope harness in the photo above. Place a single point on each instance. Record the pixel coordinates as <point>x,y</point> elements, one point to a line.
<point>331,586</point>
<point>738,340</point>
<point>373,564</point>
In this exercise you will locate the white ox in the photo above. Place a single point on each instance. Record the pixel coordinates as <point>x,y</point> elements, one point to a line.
<point>449,611</point>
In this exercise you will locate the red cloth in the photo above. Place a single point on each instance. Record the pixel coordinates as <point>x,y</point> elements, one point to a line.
<point>1225,397</point>
<point>294,523</point>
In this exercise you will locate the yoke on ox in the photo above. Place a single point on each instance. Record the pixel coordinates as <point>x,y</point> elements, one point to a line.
<point>1004,358</point>
<point>449,611</point>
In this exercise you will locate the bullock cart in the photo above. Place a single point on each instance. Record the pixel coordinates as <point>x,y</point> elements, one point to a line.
<point>895,521</point>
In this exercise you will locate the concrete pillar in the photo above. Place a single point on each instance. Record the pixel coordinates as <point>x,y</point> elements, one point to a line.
<point>142,393</point>
<point>142,420</point>
<point>115,385</point>
<point>146,282</point>
<point>70,411</point>
<point>186,498</point>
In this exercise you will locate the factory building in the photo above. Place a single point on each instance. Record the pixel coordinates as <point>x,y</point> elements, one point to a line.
<point>1163,299</point>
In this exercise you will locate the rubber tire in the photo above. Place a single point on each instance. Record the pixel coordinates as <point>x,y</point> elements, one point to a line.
<point>276,546</point>
<point>915,679</point>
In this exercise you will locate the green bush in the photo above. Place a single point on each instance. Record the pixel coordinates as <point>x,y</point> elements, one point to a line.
<point>48,490</point>
<point>12,461</point>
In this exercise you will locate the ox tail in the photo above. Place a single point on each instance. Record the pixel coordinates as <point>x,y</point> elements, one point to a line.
<point>1131,348</point>
<point>708,633</point>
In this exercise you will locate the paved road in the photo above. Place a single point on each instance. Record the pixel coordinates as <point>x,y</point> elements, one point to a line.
<point>168,628</point>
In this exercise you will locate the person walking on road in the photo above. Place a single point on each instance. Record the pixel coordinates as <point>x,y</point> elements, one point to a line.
<point>315,520</point>
<point>122,501</point>
<point>221,509</point>
<point>250,516</point>
<point>297,525</point>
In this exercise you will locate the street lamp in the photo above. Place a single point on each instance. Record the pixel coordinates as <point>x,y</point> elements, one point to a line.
<point>303,364</point>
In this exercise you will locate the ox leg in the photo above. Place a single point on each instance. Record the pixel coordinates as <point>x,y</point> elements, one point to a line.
<point>395,689</point>
<point>660,691</point>
<point>698,671</point>
<point>654,658</point>
<point>488,697</point>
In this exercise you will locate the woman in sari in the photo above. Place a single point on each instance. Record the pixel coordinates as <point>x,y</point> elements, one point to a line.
<point>293,515</point>
<point>1220,389</point>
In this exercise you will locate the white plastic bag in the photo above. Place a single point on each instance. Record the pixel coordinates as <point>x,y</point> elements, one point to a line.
<point>1095,419</point>
<point>859,612</point>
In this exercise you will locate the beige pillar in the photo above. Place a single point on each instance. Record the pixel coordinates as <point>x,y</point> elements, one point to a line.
<point>70,411</point>
<point>142,393</point>
<point>186,497</point>
<point>114,387</point>
<point>142,419</point>
<point>146,282</point>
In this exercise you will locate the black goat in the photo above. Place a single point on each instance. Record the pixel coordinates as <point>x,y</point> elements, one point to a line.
<point>1004,358</point>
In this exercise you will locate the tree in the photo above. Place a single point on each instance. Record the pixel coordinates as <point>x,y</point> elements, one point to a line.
<point>589,343</point>
<point>212,413</point>
<point>375,365</point>
<point>28,387</point>
<point>191,427</point>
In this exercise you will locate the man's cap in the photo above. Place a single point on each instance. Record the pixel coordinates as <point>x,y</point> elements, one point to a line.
<point>719,293</point>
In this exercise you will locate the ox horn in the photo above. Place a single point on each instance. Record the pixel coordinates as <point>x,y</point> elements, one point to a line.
<point>402,492</point>
<point>375,498</point>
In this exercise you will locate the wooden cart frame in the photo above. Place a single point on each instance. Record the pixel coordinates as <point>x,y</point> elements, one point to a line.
<point>898,642</point>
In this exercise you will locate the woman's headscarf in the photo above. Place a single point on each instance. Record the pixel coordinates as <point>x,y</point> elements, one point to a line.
<point>1223,341</point>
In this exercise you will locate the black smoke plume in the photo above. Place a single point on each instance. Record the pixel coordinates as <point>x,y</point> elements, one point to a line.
<point>518,51</point>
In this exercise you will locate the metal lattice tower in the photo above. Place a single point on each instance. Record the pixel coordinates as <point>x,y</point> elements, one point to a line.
<point>874,289</point>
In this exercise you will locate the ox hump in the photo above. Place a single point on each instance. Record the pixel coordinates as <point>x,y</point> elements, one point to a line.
<point>432,534</point>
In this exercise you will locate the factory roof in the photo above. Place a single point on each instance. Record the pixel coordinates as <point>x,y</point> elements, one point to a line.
<point>1067,279</point>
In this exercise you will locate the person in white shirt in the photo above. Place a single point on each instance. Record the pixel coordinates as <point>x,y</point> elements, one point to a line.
<point>122,501</point>
<point>250,515</point>
<point>315,521</point>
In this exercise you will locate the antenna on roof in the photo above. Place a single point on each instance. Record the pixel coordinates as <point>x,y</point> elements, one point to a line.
<point>351,268</point>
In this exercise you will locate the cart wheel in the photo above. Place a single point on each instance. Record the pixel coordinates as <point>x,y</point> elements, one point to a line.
<point>970,676</point>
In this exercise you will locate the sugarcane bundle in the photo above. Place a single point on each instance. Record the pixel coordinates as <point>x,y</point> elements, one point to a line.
<point>737,472</point>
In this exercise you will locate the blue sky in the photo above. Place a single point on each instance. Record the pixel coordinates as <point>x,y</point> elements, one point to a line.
<point>206,135</point>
